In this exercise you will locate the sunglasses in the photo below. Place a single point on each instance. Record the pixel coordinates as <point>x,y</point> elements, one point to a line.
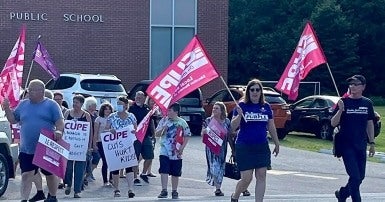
<point>255,89</point>
<point>355,84</point>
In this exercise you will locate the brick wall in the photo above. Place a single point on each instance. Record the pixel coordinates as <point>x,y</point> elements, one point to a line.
<point>119,45</point>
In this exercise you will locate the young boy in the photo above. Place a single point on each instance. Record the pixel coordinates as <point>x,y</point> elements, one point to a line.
<point>174,133</point>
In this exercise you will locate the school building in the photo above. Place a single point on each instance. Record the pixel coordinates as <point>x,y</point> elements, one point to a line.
<point>133,39</point>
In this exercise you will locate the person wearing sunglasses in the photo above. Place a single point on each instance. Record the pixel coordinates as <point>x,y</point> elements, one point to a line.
<point>355,115</point>
<point>253,116</point>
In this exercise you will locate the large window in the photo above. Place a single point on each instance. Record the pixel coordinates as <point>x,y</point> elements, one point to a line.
<point>173,24</point>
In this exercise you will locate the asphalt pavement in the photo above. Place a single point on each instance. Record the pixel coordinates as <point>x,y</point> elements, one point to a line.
<point>296,176</point>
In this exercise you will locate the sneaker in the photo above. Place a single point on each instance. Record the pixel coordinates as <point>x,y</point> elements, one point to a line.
<point>61,186</point>
<point>219,192</point>
<point>137,182</point>
<point>51,199</point>
<point>116,193</point>
<point>77,195</point>
<point>339,197</point>
<point>67,191</point>
<point>151,175</point>
<point>163,194</point>
<point>246,193</point>
<point>144,178</point>
<point>38,196</point>
<point>174,195</point>
<point>130,194</point>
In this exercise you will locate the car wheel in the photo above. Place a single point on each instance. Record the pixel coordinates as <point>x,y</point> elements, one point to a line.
<point>281,132</point>
<point>4,174</point>
<point>326,131</point>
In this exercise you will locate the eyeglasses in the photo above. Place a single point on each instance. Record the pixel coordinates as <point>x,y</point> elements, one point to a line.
<point>355,84</point>
<point>255,90</point>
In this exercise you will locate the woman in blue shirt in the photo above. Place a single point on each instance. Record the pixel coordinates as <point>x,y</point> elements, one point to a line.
<point>253,116</point>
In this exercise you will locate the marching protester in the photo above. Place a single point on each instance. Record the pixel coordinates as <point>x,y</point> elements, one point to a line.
<point>76,168</point>
<point>355,115</point>
<point>155,119</point>
<point>216,161</point>
<point>93,157</point>
<point>253,116</point>
<point>146,150</point>
<point>34,114</point>
<point>171,150</point>
<point>58,97</point>
<point>118,120</point>
<point>99,127</point>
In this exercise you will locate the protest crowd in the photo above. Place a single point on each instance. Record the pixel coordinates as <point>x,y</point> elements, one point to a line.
<point>66,143</point>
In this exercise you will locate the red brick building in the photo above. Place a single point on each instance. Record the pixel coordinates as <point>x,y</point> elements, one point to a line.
<point>134,39</point>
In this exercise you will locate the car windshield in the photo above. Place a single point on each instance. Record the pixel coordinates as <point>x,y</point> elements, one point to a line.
<point>102,85</point>
<point>274,99</point>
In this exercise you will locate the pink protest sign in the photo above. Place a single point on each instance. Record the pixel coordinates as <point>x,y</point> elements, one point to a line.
<point>51,155</point>
<point>214,137</point>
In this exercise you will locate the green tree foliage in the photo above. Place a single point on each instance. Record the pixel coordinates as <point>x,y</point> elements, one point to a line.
<point>263,35</point>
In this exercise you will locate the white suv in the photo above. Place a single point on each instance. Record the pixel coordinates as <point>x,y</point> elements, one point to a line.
<point>103,87</point>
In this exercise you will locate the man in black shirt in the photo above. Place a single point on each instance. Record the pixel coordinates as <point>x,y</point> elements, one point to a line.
<point>355,115</point>
<point>140,110</point>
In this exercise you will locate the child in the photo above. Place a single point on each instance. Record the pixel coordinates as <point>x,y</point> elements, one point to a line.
<point>174,133</point>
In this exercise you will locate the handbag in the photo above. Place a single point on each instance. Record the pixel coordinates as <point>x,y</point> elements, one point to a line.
<point>337,145</point>
<point>231,170</point>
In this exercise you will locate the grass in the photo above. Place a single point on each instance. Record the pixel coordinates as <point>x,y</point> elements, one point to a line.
<point>311,143</point>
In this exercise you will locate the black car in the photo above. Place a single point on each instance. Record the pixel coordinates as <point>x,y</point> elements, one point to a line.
<point>191,106</point>
<point>313,114</point>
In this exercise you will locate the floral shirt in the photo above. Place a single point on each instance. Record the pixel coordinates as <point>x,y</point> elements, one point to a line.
<point>168,143</point>
<point>118,123</point>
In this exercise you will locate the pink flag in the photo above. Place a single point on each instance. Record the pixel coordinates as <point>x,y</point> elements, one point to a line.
<point>191,70</point>
<point>12,74</point>
<point>307,56</point>
<point>143,125</point>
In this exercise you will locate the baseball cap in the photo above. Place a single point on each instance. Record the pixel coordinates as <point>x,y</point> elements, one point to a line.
<point>357,77</point>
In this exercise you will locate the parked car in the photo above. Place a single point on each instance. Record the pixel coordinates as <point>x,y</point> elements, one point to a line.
<point>8,153</point>
<point>312,114</point>
<point>103,87</point>
<point>191,106</point>
<point>278,104</point>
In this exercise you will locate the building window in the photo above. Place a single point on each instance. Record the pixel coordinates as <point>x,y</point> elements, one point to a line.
<point>173,24</point>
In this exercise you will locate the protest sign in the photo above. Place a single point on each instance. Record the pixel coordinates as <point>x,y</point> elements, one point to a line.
<point>51,155</point>
<point>77,134</point>
<point>213,139</point>
<point>119,148</point>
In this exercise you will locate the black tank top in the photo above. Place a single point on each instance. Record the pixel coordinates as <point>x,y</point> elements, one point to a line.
<point>82,118</point>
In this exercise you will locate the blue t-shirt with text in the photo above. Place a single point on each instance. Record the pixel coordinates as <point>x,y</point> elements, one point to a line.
<point>254,131</point>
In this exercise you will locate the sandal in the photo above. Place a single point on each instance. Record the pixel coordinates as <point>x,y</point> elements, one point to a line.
<point>218,192</point>
<point>116,193</point>
<point>246,193</point>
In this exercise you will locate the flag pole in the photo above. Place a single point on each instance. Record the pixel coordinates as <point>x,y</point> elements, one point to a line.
<point>232,96</point>
<point>30,67</point>
<point>334,82</point>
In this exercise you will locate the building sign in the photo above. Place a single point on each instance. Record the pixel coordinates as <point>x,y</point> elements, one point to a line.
<point>67,17</point>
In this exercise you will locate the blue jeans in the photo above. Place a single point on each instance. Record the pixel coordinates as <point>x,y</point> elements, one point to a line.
<point>76,170</point>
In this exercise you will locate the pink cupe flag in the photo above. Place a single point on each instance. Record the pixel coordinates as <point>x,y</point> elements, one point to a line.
<point>307,56</point>
<point>12,74</point>
<point>43,58</point>
<point>189,71</point>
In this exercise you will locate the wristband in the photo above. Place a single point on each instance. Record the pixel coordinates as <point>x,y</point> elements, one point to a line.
<point>372,143</point>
